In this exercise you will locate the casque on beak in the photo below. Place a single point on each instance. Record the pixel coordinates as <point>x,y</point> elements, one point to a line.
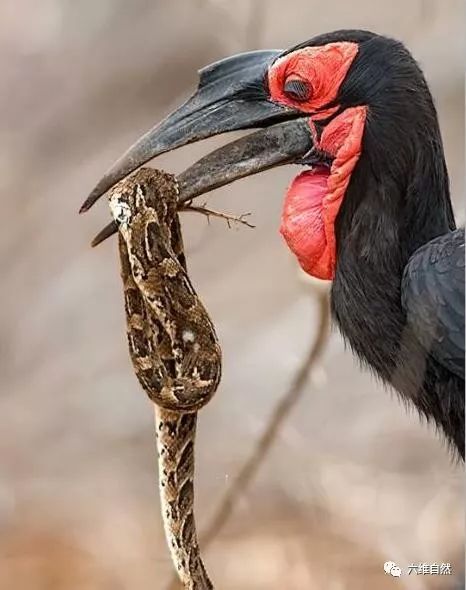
<point>231,95</point>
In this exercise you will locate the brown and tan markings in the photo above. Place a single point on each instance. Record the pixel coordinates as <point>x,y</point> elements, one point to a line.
<point>173,347</point>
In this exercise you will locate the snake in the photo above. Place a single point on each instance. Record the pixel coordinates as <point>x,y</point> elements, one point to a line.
<point>173,347</point>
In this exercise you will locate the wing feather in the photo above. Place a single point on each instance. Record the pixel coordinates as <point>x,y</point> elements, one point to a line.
<point>432,293</point>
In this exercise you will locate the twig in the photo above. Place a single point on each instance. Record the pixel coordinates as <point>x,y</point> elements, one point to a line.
<point>264,444</point>
<point>211,213</point>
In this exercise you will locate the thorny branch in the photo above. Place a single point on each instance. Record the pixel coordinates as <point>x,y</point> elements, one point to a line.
<point>279,415</point>
<point>211,213</point>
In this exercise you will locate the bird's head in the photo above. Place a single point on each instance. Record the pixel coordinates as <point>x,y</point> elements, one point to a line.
<point>353,107</point>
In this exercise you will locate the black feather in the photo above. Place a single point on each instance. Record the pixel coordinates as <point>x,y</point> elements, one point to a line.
<point>397,201</point>
<point>432,296</point>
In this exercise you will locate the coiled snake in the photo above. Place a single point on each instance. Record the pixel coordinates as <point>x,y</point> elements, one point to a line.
<point>173,347</point>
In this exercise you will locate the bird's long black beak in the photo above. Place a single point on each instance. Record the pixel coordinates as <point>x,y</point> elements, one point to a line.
<point>279,144</point>
<point>231,95</point>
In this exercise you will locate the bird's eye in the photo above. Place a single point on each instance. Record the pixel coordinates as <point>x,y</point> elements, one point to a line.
<point>298,90</point>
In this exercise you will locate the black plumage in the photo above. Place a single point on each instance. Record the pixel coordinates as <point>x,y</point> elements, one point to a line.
<point>432,295</point>
<point>398,293</point>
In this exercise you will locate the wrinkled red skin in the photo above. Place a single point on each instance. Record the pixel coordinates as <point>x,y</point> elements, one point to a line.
<point>314,197</point>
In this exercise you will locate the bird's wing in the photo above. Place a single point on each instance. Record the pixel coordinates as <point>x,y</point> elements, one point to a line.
<point>432,294</point>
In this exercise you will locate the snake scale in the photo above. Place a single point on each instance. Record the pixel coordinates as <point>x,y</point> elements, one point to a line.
<point>173,348</point>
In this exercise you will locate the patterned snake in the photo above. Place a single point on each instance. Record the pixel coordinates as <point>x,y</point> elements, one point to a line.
<point>173,347</point>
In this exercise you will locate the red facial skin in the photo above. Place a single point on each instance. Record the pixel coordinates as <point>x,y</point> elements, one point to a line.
<point>314,197</point>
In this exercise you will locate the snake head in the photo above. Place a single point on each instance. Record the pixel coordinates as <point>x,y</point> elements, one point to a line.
<point>120,209</point>
<point>146,194</point>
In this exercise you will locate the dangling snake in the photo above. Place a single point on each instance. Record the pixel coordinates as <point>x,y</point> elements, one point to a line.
<point>173,347</point>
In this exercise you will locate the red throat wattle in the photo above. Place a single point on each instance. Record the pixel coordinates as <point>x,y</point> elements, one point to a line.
<point>314,197</point>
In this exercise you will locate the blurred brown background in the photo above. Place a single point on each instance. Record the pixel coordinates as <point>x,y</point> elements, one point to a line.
<point>353,479</point>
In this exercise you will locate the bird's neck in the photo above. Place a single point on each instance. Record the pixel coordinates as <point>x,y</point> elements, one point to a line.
<point>377,231</point>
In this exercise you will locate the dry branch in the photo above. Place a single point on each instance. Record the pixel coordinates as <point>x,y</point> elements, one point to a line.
<point>204,210</point>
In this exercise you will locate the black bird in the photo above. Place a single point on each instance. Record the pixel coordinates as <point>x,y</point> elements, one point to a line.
<point>371,211</point>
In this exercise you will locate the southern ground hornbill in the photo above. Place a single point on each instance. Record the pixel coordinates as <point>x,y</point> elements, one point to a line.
<point>372,209</point>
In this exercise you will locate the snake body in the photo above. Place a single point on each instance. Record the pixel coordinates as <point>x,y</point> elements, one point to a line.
<point>173,347</point>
